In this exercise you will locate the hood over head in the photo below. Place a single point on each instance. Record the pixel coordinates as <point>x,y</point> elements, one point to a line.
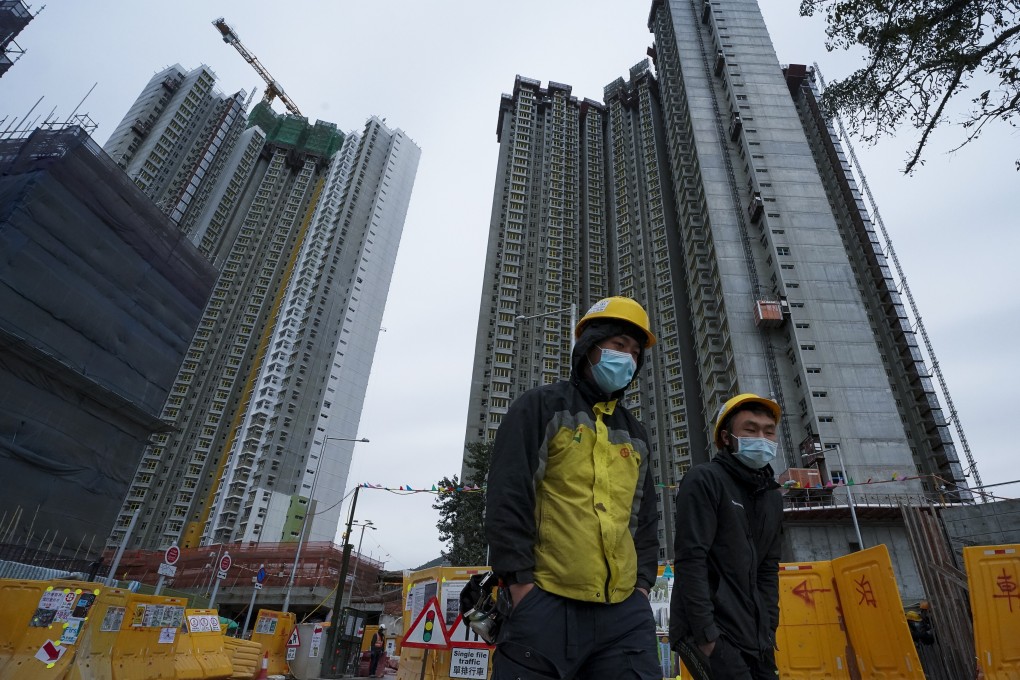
<point>597,331</point>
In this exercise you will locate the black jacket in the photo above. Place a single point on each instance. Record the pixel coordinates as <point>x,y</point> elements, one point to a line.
<point>570,499</point>
<point>727,545</point>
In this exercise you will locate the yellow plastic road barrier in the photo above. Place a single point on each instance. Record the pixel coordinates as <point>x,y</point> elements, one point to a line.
<point>272,631</point>
<point>147,643</point>
<point>873,612</point>
<point>445,584</point>
<point>41,624</point>
<point>993,573</point>
<point>245,657</point>
<point>94,657</point>
<point>201,654</point>
<point>811,640</point>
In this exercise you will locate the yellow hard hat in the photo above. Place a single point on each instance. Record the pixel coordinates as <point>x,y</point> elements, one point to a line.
<point>621,308</point>
<point>740,400</point>
<point>913,616</point>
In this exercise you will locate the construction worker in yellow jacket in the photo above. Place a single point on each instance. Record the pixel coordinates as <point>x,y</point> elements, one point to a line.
<point>571,517</point>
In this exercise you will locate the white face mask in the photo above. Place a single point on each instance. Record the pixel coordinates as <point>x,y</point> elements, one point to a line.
<point>755,452</point>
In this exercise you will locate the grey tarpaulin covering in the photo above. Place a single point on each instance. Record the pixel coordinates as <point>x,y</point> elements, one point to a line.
<point>99,298</point>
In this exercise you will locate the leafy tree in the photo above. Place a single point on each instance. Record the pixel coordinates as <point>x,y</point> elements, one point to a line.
<point>921,54</point>
<point>461,513</point>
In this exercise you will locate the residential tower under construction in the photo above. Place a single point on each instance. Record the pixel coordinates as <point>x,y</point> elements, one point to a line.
<point>303,223</point>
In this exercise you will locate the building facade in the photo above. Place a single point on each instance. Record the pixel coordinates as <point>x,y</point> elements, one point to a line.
<point>176,139</point>
<point>303,222</point>
<point>805,310</point>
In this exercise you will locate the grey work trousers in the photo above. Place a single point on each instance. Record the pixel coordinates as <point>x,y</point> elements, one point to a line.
<point>547,636</point>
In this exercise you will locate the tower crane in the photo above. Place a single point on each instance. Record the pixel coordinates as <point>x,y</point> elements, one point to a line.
<point>273,87</point>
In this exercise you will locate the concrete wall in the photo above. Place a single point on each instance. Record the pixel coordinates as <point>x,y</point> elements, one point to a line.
<point>826,541</point>
<point>985,524</point>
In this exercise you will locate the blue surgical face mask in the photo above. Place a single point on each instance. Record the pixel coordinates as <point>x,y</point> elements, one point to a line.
<point>755,452</point>
<point>614,371</point>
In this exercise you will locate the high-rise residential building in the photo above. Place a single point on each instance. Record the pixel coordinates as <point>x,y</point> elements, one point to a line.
<point>582,210</point>
<point>714,193</point>
<point>303,223</point>
<point>802,305</point>
<point>14,16</point>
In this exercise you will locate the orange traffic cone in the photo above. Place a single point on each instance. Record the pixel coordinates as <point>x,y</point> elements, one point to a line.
<point>264,675</point>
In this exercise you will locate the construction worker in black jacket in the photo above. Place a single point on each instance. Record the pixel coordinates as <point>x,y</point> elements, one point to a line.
<point>724,609</point>
<point>571,517</point>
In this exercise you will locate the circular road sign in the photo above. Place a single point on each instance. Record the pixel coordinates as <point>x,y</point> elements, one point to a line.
<point>172,554</point>
<point>225,562</point>
<point>261,576</point>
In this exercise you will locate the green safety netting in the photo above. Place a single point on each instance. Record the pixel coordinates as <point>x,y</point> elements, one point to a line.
<point>321,138</point>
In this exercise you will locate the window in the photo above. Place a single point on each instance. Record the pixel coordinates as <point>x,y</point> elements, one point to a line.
<point>807,348</point>
<point>819,394</point>
<point>782,250</point>
<point>813,369</point>
<point>825,419</point>
<point>802,325</point>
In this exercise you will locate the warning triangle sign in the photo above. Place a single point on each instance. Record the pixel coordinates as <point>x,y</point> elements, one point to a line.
<point>461,635</point>
<point>295,639</point>
<point>428,630</point>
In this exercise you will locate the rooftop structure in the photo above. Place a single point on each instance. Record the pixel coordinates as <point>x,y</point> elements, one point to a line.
<point>15,15</point>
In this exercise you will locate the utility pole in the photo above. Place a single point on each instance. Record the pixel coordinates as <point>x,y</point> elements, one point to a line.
<point>367,524</point>
<point>334,629</point>
<point>111,577</point>
<point>850,496</point>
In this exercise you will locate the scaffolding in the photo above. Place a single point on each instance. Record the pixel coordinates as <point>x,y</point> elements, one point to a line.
<point>319,566</point>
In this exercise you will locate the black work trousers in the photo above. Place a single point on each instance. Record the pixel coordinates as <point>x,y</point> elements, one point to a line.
<point>547,636</point>
<point>374,664</point>
<point>726,663</point>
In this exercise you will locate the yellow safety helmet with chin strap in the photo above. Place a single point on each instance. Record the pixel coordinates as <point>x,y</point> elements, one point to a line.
<point>621,309</point>
<point>741,400</point>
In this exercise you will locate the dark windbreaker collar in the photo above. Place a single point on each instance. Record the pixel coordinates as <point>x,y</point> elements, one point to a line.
<point>756,480</point>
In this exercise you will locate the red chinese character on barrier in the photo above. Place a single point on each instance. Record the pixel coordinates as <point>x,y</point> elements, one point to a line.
<point>866,592</point>
<point>1007,586</point>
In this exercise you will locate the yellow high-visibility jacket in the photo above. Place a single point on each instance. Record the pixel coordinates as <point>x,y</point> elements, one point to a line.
<point>570,501</point>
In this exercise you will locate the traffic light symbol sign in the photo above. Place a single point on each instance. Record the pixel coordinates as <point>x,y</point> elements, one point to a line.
<point>430,624</point>
<point>429,629</point>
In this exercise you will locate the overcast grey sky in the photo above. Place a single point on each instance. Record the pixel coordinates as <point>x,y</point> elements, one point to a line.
<point>437,70</point>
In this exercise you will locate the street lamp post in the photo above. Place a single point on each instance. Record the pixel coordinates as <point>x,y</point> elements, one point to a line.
<point>367,524</point>
<point>308,511</point>
<point>573,319</point>
<point>849,495</point>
